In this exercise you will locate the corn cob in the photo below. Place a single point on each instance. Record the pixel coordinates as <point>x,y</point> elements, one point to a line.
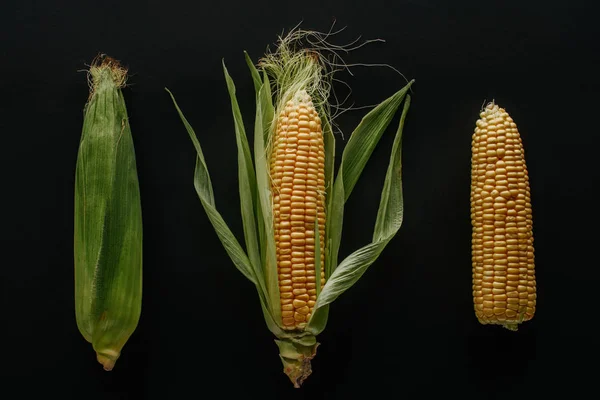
<point>504,285</point>
<point>298,187</point>
<point>108,219</point>
<point>292,202</point>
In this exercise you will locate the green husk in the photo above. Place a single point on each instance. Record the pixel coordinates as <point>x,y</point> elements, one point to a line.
<point>389,220</point>
<point>286,72</point>
<point>296,358</point>
<point>108,218</point>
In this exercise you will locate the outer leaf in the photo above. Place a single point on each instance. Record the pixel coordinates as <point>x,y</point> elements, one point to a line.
<point>268,109</point>
<point>255,75</point>
<point>258,208</point>
<point>266,105</point>
<point>270,321</point>
<point>329,144</point>
<point>360,146</point>
<point>391,205</point>
<point>389,220</point>
<point>365,137</point>
<point>335,210</point>
<point>203,186</point>
<point>264,194</point>
<point>335,220</point>
<point>247,182</point>
<point>318,321</point>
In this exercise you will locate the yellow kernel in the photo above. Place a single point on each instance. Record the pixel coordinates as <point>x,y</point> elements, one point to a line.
<point>303,310</point>
<point>299,317</point>
<point>299,303</point>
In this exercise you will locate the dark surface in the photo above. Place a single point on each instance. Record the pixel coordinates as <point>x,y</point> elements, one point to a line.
<point>407,329</point>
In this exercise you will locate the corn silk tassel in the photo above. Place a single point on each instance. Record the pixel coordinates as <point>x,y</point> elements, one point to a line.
<point>108,218</point>
<point>292,202</point>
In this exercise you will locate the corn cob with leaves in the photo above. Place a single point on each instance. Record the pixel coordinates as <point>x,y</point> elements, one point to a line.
<point>292,203</point>
<point>108,218</point>
<point>504,286</point>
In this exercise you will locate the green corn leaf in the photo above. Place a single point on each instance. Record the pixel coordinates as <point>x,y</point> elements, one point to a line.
<point>329,144</point>
<point>318,320</point>
<point>258,208</point>
<point>254,72</point>
<point>335,210</point>
<point>389,220</point>
<point>361,144</point>
<point>264,107</point>
<point>247,183</point>
<point>391,205</point>
<point>335,219</point>
<point>264,193</point>
<point>267,108</point>
<point>270,321</point>
<point>203,186</point>
<point>365,137</point>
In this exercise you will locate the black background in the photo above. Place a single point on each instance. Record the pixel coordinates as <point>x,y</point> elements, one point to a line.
<point>407,329</point>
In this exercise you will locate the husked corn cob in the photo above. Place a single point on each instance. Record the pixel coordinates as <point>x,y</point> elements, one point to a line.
<point>292,201</point>
<point>504,285</point>
<point>298,187</point>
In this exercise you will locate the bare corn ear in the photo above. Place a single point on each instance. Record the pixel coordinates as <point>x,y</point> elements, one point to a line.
<point>298,188</point>
<point>504,286</point>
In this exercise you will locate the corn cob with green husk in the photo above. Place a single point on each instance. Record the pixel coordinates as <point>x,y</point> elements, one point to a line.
<point>108,218</point>
<point>503,267</point>
<point>292,203</point>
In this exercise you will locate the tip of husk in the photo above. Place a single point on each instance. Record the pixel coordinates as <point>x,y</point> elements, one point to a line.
<point>105,68</point>
<point>107,358</point>
<point>296,359</point>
